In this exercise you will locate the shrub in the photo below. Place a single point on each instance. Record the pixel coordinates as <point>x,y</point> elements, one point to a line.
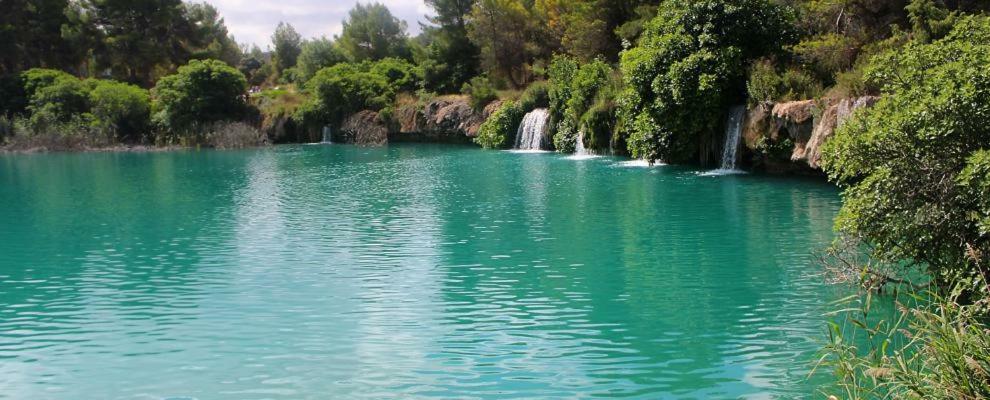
<point>588,80</point>
<point>764,83</point>
<point>481,91</point>
<point>799,85</point>
<point>344,89</point>
<point>904,163</point>
<point>598,124</point>
<point>63,99</point>
<point>401,75</point>
<point>119,109</point>
<point>535,96</point>
<point>499,130</point>
<point>565,136</point>
<point>560,75</point>
<point>203,91</point>
<point>827,54</point>
<point>37,78</point>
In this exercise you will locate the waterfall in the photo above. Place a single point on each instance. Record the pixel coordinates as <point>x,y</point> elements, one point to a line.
<point>579,149</point>
<point>327,135</point>
<point>733,133</point>
<point>532,130</point>
<point>580,152</point>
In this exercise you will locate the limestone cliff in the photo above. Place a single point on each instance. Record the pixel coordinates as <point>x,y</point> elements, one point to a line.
<point>787,137</point>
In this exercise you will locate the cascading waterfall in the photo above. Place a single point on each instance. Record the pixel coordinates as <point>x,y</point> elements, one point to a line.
<point>327,135</point>
<point>532,130</point>
<point>579,149</point>
<point>580,152</point>
<point>733,133</point>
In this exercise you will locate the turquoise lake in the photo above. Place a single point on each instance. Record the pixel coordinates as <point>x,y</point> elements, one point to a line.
<point>409,271</point>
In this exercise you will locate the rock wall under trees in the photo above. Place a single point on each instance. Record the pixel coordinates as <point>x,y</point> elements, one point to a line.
<point>787,137</point>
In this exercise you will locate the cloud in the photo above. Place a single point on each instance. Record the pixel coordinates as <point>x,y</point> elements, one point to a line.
<point>253,21</point>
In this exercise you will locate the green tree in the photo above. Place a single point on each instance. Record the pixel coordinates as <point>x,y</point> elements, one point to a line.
<point>208,35</point>
<point>346,88</point>
<point>30,36</point>
<point>317,54</point>
<point>202,91</point>
<point>912,167</point>
<point>371,32</point>
<point>451,59</point>
<point>288,46</point>
<point>119,109</point>
<point>503,31</point>
<point>139,39</point>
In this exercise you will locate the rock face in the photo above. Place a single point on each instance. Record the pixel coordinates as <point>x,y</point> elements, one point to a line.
<point>445,119</point>
<point>364,128</point>
<point>787,137</point>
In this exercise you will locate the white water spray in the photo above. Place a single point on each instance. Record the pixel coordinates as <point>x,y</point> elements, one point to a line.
<point>733,134</point>
<point>532,130</point>
<point>327,135</point>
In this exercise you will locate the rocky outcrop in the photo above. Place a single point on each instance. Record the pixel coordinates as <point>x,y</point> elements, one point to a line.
<point>833,116</point>
<point>364,128</point>
<point>787,137</point>
<point>444,119</point>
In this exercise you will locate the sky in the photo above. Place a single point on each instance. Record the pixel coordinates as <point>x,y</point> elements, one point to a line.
<point>253,21</point>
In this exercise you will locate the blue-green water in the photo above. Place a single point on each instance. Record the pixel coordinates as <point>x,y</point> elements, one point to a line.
<point>410,271</point>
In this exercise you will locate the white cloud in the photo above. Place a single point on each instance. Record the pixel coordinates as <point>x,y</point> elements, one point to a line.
<point>253,21</point>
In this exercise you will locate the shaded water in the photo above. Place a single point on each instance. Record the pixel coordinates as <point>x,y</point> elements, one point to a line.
<point>409,271</point>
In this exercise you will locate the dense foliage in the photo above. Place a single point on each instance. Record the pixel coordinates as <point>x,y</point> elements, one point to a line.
<point>346,88</point>
<point>687,66</point>
<point>902,163</point>
<point>915,172</point>
<point>201,92</point>
<point>499,130</point>
<point>371,32</point>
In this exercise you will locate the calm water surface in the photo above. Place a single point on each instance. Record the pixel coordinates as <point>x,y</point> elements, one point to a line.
<point>404,272</point>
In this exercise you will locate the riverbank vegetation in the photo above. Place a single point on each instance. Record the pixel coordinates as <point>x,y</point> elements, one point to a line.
<point>648,78</point>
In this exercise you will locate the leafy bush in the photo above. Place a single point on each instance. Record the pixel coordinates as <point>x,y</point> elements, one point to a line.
<point>588,80</point>
<point>598,124</point>
<point>565,136</point>
<point>119,109</point>
<point>201,92</point>
<point>535,96</point>
<point>827,54</point>
<point>481,91</point>
<point>402,76</point>
<point>798,85</point>
<point>764,83</point>
<point>560,75</point>
<point>499,130</point>
<point>347,88</point>
<point>37,78</point>
<point>683,72</point>
<point>905,164</point>
<point>573,89</point>
<point>59,100</point>
<point>344,89</point>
